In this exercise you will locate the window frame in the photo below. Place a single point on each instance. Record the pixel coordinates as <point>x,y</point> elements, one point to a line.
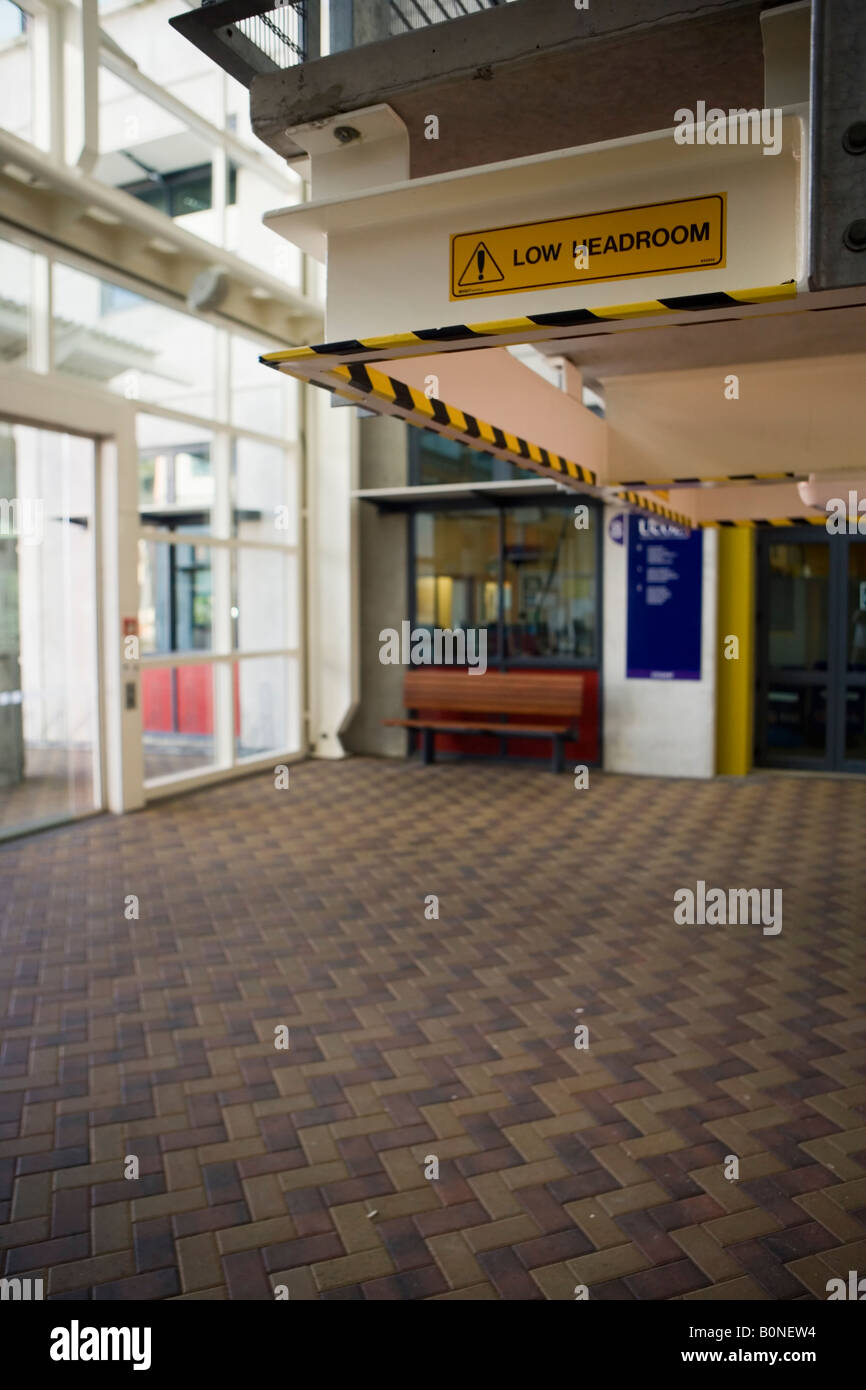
<point>503,662</point>
<point>503,471</point>
<point>172,184</point>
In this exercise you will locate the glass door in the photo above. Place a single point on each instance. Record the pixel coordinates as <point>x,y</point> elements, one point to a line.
<point>49,690</point>
<point>851,752</point>
<point>793,707</point>
<point>811,705</point>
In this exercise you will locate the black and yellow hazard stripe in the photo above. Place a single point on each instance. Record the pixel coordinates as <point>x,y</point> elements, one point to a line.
<point>773,521</point>
<point>345,367</point>
<point>365,383</point>
<point>715,478</point>
<point>528,328</point>
<point>649,504</point>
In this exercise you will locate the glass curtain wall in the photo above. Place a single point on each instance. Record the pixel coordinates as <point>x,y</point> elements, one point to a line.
<point>218,491</point>
<point>173,130</point>
<point>219,583</point>
<point>218,565</point>
<point>220,600</point>
<point>219,576</point>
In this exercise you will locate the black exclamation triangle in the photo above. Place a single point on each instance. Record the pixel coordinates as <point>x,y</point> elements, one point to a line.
<point>480,269</point>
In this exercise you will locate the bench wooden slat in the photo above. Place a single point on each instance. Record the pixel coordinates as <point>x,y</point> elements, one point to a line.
<point>550,694</point>
<point>474,726</point>
<point>555,696</point>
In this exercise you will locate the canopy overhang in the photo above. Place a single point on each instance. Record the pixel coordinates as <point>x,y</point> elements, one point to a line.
<point>553,260</point>
<point>668,442</point>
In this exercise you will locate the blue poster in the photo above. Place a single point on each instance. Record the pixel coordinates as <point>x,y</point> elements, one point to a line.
<point>664,600</point>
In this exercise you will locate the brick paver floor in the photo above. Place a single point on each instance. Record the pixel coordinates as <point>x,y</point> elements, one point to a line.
<point>416,1039</point>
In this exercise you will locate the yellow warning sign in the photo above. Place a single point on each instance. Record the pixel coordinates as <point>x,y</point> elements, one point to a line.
<point>657,239</point>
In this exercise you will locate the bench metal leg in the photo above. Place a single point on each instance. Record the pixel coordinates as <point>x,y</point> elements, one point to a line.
<point>427,746</point>
<point>558,751</point>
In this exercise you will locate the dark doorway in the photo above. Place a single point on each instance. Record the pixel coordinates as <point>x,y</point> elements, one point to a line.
<point>811,658</point>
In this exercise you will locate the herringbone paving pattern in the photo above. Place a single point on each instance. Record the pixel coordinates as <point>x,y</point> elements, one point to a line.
<point>413,1037</point>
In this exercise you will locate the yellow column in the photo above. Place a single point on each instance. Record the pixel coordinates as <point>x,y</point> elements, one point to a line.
<point>735,683</point>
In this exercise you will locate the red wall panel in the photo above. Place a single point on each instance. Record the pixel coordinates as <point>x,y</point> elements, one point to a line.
<point>156,701</point>
<point>194,700</point>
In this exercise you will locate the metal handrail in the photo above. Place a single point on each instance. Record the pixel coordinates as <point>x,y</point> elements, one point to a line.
<point>247,37</point>
<point>417,14</point>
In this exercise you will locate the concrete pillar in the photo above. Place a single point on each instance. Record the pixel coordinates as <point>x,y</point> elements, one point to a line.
<point>383,593</point>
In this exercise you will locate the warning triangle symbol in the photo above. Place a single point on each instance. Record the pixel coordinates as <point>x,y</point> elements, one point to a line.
<point>481,269</point>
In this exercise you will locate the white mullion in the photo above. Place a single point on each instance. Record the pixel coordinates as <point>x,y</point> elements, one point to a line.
<point>158,660</point>
<point>222,559</point>
<point>153,533</point>
<point>89,37</point>
<point>98,631</point>
<point>219,191</point>
<point>48,79</point>
<point>42,315</point>
<point>294,473</point>
<point>166,412</point>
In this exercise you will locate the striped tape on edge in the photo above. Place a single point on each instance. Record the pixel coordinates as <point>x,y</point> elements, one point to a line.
<point>354,349</point>
<point>350,377</point>
<point>358,380</point>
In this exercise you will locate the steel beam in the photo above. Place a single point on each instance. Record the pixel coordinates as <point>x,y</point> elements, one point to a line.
<point>838,185</point>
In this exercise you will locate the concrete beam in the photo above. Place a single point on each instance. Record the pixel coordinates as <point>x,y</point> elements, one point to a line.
<point>741,502</point>
<point>801,418</point>
<point>492,385</point>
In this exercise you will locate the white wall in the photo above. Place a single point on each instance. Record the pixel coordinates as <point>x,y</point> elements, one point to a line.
<point>662,728</point>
